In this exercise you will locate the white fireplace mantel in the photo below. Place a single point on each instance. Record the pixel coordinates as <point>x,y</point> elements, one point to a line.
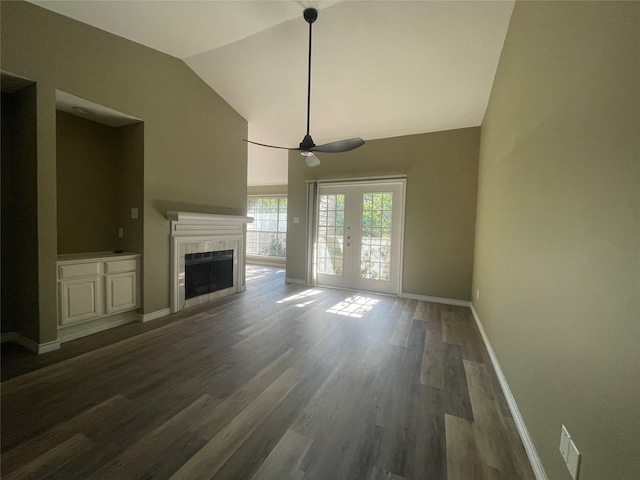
<point>199,218</point>
<point>203,232</point>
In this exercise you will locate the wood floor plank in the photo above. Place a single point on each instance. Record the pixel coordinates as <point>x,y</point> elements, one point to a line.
<point>316,383</point>
<point>400,450</point>
<point>421,312</point>
<point>457,399</point>
<point>124,429</point>
<point>343,426</point>
<point>47,440</point>
<point>489,429</point>
<point>174,456</point>
<point>284,459</point>
<point>379,474</point>
<point>401,333</point>
<point>451,331</point>
<point>219,417</point>
<point>501,456</point>
<point>211,457</point>
<point>41,466</point>
<point>430,445</point>
<point>470,340</point>
<point>380,325</point>
<point>137,459</point>
<point>328,400</point>
<point>493,473</point>
<point>279,328</point>
<point>432,369</point>
<point>256,448</point>
<point>519,459</point>
<point>463,462</point>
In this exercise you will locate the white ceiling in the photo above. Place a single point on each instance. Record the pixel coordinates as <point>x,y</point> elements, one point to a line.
<point>379,68</point>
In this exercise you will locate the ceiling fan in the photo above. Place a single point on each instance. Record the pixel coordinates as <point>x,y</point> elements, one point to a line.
<point>307,147</point>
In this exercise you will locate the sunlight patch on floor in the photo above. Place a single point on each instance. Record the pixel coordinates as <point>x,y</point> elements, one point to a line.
<point>304,304</point>
<point>355,306</point>
<point>300,296</point>
<point>256,272</point>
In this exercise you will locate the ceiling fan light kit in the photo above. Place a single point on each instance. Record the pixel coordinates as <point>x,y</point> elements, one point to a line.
<point>310,159</point>
<point>307,146</point>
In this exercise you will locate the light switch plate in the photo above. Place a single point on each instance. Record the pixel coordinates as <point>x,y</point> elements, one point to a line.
<point>296,220</point>
<point>573,460</point>
<point>134,213</point>
<point>120,232</point>
<point>565,439</point>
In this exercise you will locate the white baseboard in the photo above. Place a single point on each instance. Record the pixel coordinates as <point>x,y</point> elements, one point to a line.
<point>295,280</point>
<point>8,337</point>
<point>74,332</point>
<point>35,347</point>
<point>266,261</point>
<point>426,298</point>
<point>529,447</point>
<point>147,317</point>
<point>48,346</point>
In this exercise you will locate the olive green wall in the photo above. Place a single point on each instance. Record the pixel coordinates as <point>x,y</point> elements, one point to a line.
<point>19,260</point>
<point>87,214</point>
<point>557,256</point>
<point>194,157</point>
<point>92,207</point>
<point>130,181</point>
<point>267,190</point>
<point>441,170</point>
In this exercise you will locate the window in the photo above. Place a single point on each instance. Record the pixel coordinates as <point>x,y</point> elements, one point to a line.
<point>267,235</point>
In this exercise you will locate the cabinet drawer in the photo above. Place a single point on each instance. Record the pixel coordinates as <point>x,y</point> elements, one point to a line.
<point>79,269</point>
<point>119,266</point>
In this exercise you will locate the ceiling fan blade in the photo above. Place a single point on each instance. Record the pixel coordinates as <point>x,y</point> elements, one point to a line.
<point>339,146</point>
<point>307,147</point>
<point>271,146</point>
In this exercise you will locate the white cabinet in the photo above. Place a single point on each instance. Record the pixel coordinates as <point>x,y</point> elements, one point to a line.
<point>93,286</point>
<point>122,292</point>
<point>80,299</point>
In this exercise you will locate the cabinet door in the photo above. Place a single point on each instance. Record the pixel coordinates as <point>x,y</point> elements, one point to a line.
<point>80,299</point>
<point>122,292</point>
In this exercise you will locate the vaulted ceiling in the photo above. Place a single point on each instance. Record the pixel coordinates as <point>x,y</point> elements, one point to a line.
<point>380,68</point>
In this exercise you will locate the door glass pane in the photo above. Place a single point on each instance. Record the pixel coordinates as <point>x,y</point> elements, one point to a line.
<point>375,251</point>
<point>330,234</point>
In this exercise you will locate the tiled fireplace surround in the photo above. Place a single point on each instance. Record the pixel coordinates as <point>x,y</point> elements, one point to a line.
<point>199,233</point>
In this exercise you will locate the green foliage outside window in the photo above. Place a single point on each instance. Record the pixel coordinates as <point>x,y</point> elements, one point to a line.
<point>376,215</point>
<point>267,235</point>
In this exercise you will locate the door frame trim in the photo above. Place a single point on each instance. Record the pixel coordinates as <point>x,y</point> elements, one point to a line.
<point>312,206</point>
<point>357,180</point>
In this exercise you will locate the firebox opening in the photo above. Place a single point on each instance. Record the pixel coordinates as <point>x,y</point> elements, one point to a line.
<point>208,272</point>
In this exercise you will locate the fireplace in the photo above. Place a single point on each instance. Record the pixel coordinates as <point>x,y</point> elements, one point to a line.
<point>207,272</point>
<point>207,257</point>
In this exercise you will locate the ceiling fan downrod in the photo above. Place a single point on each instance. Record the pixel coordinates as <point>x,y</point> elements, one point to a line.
<point>307,147</point>
<point>310,15</point>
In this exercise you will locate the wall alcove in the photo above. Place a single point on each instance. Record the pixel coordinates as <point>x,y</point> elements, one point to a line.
<point>99,177</point>
<point>19,207</point>
<point>99,197</point>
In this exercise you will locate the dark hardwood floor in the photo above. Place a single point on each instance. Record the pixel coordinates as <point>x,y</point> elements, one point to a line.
<point>279,382</point>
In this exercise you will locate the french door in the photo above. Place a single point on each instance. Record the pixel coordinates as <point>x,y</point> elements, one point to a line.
<point>358,240</point>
